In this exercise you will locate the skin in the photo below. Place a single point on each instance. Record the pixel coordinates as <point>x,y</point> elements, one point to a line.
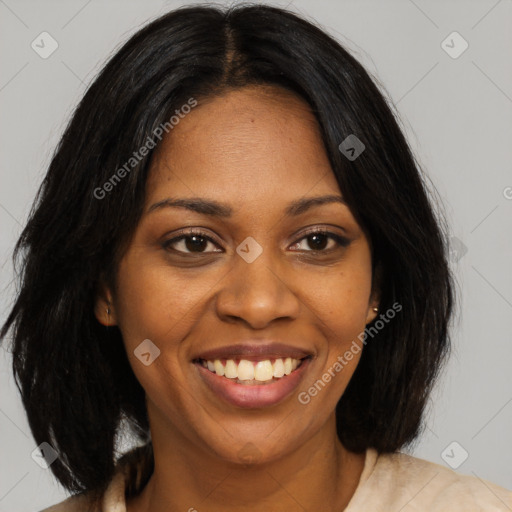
<point>256,149</point>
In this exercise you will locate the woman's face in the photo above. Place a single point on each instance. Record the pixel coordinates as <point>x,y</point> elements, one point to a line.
<point>260,280</point>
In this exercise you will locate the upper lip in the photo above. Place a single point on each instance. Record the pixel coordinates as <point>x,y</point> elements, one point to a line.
<point>254,351</point>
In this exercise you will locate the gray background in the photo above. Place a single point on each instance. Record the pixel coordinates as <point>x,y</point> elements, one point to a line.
<point>457,115</point>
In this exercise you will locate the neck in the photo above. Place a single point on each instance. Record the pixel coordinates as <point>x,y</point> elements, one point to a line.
<point>319,471</point>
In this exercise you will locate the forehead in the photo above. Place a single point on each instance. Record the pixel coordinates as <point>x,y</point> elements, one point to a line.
<point>249,141</point>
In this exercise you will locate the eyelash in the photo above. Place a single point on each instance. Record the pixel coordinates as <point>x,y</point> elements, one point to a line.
<point>184,234</point>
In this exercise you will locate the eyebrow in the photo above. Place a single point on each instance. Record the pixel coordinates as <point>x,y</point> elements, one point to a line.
<point>215,209</point>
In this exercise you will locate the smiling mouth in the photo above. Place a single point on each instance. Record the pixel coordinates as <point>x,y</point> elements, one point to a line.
<point>252,373</point>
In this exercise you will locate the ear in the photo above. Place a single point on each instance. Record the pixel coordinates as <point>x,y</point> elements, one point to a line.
<point>375,295</point>
<point>103,305</point>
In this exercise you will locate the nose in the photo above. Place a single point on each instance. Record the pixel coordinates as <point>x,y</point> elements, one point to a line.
<point>257,294</point>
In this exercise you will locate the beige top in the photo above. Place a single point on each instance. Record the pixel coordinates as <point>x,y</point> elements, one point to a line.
<point>389,483</point>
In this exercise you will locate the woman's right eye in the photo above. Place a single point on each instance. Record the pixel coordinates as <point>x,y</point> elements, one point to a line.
<point>190,243</point>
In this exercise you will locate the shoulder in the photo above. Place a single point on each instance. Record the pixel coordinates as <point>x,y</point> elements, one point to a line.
<point>131,473</point>
<point>77,503</point>
<point>403,482</point>
<point>112,499</point>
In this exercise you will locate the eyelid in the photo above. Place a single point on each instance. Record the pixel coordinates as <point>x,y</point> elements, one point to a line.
<point>324,231</point>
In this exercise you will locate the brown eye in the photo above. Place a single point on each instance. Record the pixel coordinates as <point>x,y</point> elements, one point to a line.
<point>318,241</point>
<point>321,241</point>
<point>190,243</point>
<point>195,243</point>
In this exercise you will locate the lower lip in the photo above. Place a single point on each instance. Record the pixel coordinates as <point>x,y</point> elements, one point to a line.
<point>253,396</point>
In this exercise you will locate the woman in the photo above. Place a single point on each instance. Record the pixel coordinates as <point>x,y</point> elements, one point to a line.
<point>234,257</point>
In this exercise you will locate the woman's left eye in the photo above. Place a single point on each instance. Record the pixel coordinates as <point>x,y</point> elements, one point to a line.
<point>322,241</point>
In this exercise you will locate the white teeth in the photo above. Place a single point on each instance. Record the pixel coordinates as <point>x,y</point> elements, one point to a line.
<point>230,370</point>
<point>219,367</point>
<point>253,370</point>
<point>245,370</point>
<point>278,368</point>
<point>263,370</point>
<point>288,366</point>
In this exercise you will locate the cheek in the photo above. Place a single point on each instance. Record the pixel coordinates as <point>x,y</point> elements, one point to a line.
<point>153,303</point>
<point>341,300</point>
<point>341,304</point>
<point>346,315</point>
<point>152,306</point>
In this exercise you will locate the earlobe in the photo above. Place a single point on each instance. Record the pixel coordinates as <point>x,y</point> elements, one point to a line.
<point>372,313</point>
<point>103,309</point>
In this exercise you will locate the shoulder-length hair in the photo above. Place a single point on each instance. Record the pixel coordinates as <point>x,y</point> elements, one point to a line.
<point>73,373</point>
